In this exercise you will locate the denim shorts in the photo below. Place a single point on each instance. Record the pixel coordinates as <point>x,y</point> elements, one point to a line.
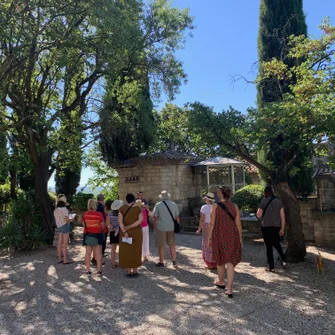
<point>64,229</point>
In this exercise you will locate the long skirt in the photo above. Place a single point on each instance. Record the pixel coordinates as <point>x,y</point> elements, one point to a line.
<point>145,243</point>
<point>207,252</point>
<point>130,255</point>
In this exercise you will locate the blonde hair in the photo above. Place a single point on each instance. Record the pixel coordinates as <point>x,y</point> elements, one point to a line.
<point>92,205</point>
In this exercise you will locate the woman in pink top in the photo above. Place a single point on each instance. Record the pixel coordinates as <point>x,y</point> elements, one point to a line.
<point>145,230</point>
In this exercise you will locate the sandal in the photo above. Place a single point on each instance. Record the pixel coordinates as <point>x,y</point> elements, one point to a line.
<point>59,262</point>
<point>99,273</point>
<point>88,273</point>
<point>129,275</point>
<point>69,262</point>
<point>230,295</point>
<point>220,286</point>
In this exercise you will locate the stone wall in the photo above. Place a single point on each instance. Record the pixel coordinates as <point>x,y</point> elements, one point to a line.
<point>178,180</point>
<point>318,226</point>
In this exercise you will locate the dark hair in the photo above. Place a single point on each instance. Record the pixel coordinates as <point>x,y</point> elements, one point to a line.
<point>108,204</point>
<point>130,198</point>
<point>227,193</point>
<point>139,192</point>
<point>115,212</point>
<point>268,191</point>
<point>60,204</point>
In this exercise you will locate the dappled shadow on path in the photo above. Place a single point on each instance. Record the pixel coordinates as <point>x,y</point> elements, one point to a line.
<point>39,296</point>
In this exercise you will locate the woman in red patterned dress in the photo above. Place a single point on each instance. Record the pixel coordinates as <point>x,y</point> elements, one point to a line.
<point>225,237</point>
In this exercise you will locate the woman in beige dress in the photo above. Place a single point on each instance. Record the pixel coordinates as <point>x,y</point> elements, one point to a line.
<point>130,219</point>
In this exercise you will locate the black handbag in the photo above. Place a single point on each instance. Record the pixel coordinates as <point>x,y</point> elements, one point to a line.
<point>176,224</point>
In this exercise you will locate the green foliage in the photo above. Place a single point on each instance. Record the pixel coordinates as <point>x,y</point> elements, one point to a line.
<point>67,181</point>
<point>4,197</point>
<point>55,58</point>
<point>23,228</point>
<point>35,238</point>
<point>127,122</point>
<point>249,197</point>
<point>103,176</point>
<point>80,201</point>
<point>10,235</point>
<point>278,20</point>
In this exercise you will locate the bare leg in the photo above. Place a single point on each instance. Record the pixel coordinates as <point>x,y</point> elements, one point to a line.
<point>173,252</point>
<point>128,271</point>
<point>59,247</point>
<point>113,253</point>
<point>64,246</point>
<point>161,254</point>
<point>230,278</point>
<point>88,257</point>
<point>98,256</point>
<point>221,273</point>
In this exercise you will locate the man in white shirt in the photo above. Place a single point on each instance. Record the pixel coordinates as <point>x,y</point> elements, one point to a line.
<point>164,227</point>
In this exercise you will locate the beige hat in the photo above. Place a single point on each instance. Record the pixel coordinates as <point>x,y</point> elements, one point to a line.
<point>164,195</point>
<point>63,198</point>
<point>139,203</point>
<point>116,205</point>
<point>210,196</point>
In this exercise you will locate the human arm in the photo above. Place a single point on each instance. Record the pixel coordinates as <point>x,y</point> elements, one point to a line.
<point>201,222</point>
<point>211,224</point>
<point>136,223</point>
<point>122,226</point>
<point>108,222</point>
<point>283,222</point>
<point>155,222</point>
<point>238,223</point>
<point>259,214</point>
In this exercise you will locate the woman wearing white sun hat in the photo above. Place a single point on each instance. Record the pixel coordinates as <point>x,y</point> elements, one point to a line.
<point>205,218</point>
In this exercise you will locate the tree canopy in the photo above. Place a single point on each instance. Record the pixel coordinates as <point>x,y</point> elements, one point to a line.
<point>57,56</point>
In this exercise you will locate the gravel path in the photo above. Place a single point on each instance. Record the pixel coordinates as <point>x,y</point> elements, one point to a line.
<point>39,296</point>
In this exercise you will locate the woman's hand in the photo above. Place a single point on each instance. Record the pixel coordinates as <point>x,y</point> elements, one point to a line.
<point>198,231</point>
<point>126,235</point>
<point>210,242</point>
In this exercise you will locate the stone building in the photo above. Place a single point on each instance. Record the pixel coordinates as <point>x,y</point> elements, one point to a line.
<point>184,176</point>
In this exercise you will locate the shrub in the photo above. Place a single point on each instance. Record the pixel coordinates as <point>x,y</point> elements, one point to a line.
<point>10,235</point>
<point>248,197</point>
<point>4,197</point>
<point>23,228</point>
<point>80,201</point>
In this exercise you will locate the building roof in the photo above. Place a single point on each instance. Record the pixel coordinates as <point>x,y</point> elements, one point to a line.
<point>324,171</point>
<point>160,158</point>
<point>219,161</point>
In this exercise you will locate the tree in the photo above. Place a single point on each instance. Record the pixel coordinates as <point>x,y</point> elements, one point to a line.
<point>304,115</point>
<point>127,121</point>
<point>54,53</point>
<point>174,133</point>
<point>278,20</point>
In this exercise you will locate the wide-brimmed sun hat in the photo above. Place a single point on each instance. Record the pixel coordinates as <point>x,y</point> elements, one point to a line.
<point>139,203</point>
<point>164,195</point>
<point>63,198</point>
<point>116,205</point>
<point>210,196</point>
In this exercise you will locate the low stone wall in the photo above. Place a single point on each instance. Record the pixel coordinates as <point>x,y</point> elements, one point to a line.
<point>318,226</point>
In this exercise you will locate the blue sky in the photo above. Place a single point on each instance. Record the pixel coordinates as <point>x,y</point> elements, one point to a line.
<point>225,44</point>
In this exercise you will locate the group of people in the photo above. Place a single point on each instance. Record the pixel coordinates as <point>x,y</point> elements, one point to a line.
<point>128,227</point>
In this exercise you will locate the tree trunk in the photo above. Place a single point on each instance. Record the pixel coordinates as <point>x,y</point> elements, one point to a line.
<point>42,197</point>
<point>13,182</point>
<point>296,250</point>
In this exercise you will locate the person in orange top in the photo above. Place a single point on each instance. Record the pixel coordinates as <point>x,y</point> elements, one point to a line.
<point>93,240</point>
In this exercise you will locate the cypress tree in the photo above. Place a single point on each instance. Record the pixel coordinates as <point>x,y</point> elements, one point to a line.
<point>278,20</point>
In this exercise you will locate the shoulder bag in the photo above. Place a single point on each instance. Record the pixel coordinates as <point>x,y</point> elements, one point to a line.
<point>176,224</point>
<point>221,205</point>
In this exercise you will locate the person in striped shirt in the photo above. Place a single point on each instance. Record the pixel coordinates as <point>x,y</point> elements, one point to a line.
<point>94,225</point>
<point>114,228</point>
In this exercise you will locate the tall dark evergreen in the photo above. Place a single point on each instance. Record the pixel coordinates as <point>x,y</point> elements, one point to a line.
<point>278,20</point>
<point>127,120</point>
